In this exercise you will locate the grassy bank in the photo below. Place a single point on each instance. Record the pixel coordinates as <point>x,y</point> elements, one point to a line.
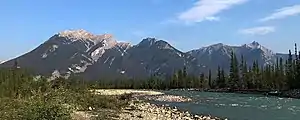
<point>23,97</point>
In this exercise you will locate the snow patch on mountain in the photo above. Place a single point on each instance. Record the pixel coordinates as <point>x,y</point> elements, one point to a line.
<point>79,68</point>
<point>55,74</point>
<point>106,59</point>
<point>106,43</point>
<point>50,50</point>
<point>98,52</point>
<point>112,60</point>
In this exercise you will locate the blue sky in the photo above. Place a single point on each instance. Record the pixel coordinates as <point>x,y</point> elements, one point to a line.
<point>186,24</point>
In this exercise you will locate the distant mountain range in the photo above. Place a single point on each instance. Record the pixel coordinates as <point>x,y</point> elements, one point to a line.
<point>78,52</point>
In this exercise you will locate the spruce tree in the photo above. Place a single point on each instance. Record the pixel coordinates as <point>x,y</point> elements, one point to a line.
<point>290,71</point>
<point>297,68</point>
<point>282,78</point>
<point>202,79</point>
<point>175,81</point>
<point>223,79</point>
<point>276,75</point>
<point>184,77</point>
<point>245,75</point>
<point>218,79</point>
<point>210,84</point>
<point>234,72</point>
<point>254,74</point>
<point>243,70</point>
<point>180,79</point>
<point>250,78</point>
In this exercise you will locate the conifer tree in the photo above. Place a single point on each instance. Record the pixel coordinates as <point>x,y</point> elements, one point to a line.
<point>255,74</point>
<point>202,80</point>
<point>234,72</point>
<point>290,71</point>
<point>250,78</point>
<point>210,84</point>
<point>218,79</point>
<point>243,70</point>
<point>297,68</point>
<point>175,81</point>
<point>184,77</point>
<point>223,79</point>
<point>282,78</point>
<point>180,79</point>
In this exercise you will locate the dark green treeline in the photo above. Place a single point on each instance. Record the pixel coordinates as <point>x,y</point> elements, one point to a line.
<point>283,75</point>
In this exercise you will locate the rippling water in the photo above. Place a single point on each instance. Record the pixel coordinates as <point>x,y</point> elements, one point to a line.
<point>239,106</point>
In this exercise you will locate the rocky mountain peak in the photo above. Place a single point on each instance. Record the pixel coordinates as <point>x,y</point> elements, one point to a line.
<point>76,34</point>
<point>254,44</point>
<point>216,46</point>
<point>81,34</point>
<point>163,44</point>
<point>147,42</point>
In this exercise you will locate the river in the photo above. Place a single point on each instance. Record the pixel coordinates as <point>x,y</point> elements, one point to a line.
<point>238,106</point>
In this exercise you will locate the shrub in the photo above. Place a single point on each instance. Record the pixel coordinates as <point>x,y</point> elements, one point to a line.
<point>37,110</point>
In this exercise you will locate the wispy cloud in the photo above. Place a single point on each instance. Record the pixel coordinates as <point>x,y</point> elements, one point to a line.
<point>262,30</point>
<point>207,10</point>
<point>282,13</point>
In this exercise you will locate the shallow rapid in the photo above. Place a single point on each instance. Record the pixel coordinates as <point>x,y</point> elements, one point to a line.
<point>238,106</point>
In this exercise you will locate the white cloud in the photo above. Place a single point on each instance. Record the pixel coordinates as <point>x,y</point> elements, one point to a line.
<point>207,9</point>
<point>262,30</point>
<point>213,18</point>
<point>282,13</point>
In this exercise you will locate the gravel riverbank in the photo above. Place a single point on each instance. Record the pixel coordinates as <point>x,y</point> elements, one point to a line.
<point>147,111</point>
<point>139,109</point>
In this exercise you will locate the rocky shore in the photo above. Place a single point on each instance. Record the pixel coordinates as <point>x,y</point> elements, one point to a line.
<point>292,93</point>
<point>125,91</point>
<point>146,111</point>
<point>139,109</point>
<point>167,98</point>
<point>295,93</point>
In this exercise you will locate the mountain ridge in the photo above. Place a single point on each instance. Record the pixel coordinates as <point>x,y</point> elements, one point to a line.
<point>79,52</point>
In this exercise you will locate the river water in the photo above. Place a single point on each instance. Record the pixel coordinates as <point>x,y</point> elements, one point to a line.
<point>238,106</point>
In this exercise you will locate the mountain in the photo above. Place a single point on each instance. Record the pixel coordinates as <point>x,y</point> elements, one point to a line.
<point>149,57</point>
<point>65,53</point>
<point>81,53</point>
<point>220,54</point>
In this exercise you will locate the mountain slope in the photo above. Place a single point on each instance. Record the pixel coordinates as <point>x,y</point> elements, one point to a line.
<point>149,57</point>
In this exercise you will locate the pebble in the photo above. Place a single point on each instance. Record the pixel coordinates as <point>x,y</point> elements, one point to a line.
<point>163,112</point>
<point>167,98</point>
